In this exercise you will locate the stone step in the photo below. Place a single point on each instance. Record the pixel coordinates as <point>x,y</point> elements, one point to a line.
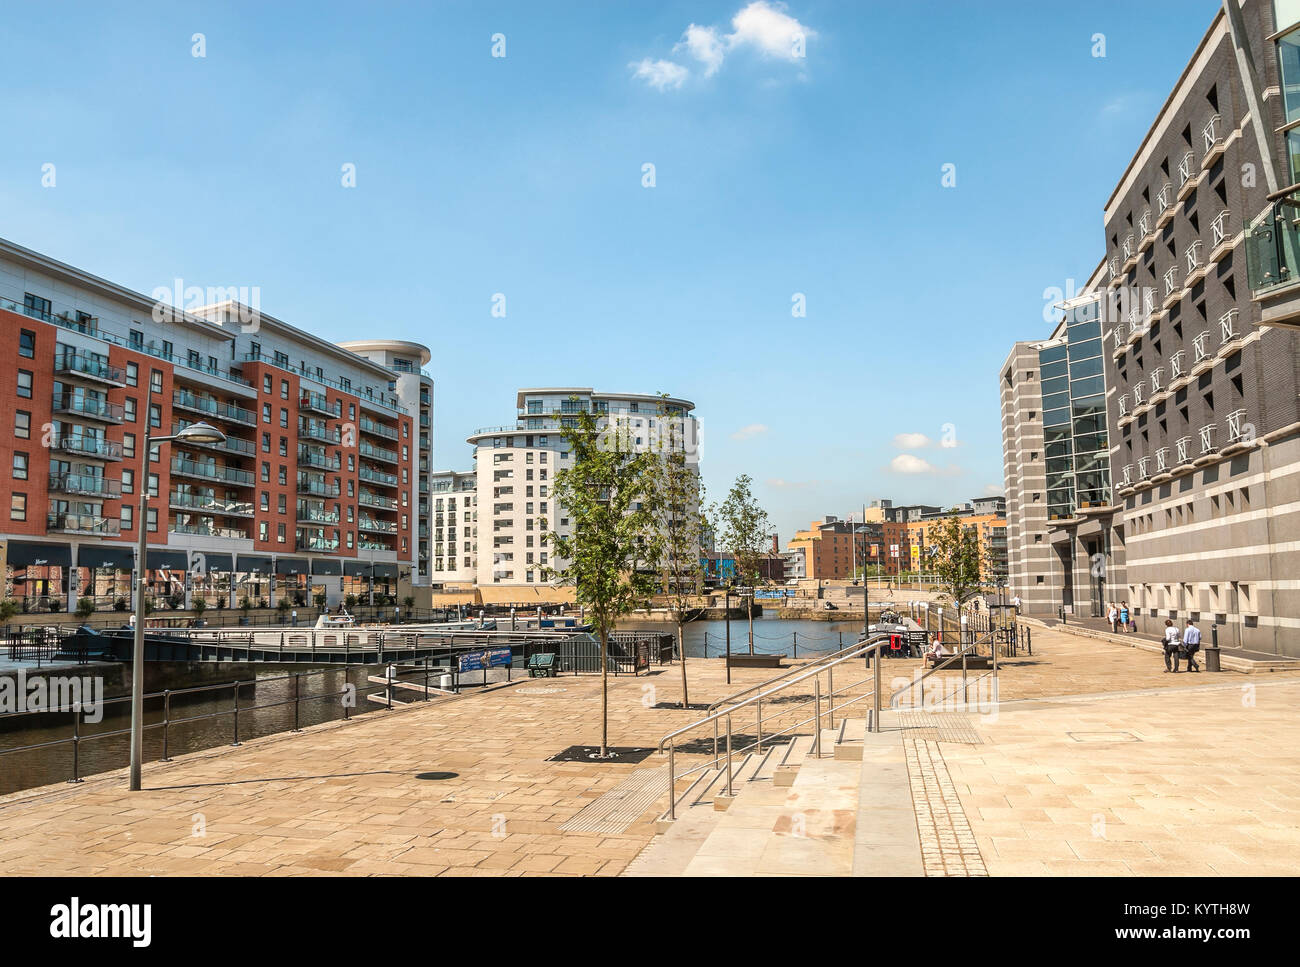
<point>886,841</point>
<point>804,829</point>
<point>848,745</point>
<point>792,758</point>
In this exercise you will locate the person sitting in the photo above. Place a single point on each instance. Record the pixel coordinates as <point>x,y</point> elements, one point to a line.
<point>936,652</point>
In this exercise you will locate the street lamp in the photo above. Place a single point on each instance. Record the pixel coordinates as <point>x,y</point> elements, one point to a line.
<point>194,433</point>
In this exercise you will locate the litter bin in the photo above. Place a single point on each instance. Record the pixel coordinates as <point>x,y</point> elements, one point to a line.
<point>1212,658</point>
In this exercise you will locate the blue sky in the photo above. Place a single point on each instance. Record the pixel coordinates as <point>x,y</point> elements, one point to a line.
<point>774,174</point>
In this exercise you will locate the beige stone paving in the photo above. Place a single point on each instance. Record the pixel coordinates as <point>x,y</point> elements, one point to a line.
<point>1210,788</point>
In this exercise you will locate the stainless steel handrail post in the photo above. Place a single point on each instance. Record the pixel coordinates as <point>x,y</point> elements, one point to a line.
<point>965,691</point>
<point>728,755</point>
<point>817,723</point>
<point>875,693</point>
<point>715,745</point>
<point>167,714</point>
<point>830,683</point>
<point>760,723</point>
<point>672,783</point>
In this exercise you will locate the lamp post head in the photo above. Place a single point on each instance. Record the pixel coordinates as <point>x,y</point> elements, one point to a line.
<point>200,433</point>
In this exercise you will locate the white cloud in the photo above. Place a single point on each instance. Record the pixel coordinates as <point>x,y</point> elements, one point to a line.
<point>660,74</point>
<point>911,464</point>
<point>703,44</point>
<point>760,26</point>
<point>906,463</point>
<point>746,432</point>
<point>768,28</point>
<point>782,484</point>
<point>911,441</point>
<point>993,490</point>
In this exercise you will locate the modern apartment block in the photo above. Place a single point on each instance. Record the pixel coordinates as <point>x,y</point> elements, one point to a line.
<point>513,479</point>
<point>314,489</point>
<point>1198,312</point>
<point>986,517</point>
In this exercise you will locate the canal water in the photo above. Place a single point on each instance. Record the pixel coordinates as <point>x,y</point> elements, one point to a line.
<point>772,636</point>
<point>212,722</point>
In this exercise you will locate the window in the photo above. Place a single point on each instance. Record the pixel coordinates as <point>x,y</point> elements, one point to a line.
<point>18,507</point>
<point>128,481</point>
<point>23,425</point>
<point>37,306</point>
<point>128,521</point>
<point>153,485</point>
<point>24,384</point>
<point>27,344</point>
<point>20,466</point>
<point>266,412</point>
<point>155,381</point>
<point>128,444</point>
<point>128,409</point>
<point>132,374</point>
<point>266,383</point>
<point>266,443</point>
<point>284,389</point>
<point>155,414</point>
<point>151,520</point>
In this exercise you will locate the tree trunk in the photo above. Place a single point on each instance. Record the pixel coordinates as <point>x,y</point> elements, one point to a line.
<point>681,651</point>
<point>604,692</point>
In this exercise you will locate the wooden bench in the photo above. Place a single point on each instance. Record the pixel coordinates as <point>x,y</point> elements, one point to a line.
<point>541,665</point>
<point>756,661</point>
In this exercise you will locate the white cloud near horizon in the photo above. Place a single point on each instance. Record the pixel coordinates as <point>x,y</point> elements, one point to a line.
<point>762,26</point>
<point>750,431</point>
<point>781,484</point>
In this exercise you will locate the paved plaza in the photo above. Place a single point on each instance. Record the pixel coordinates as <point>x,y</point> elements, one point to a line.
<point>1096,762</point>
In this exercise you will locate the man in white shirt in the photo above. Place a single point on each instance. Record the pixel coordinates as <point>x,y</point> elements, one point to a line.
<point>1016,601</point>
<point>1192,644</point>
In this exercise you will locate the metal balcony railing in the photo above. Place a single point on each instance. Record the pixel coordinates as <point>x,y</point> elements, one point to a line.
<point>210,504</point>
<point>69,363</point>
<point>213,407</point>
<point>86,446</point>
<point>211,471</point>
<point>85,485</point>
<point>319,403</point>
<point>89,407</point>
<point>1219,227</point>
<point>83,524</point>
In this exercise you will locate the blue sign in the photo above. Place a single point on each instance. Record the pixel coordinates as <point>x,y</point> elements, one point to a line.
<point>475,661</point>
<point>774,593</point>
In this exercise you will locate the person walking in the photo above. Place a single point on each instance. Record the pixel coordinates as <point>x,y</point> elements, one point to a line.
<point>1173,645</point>
<point>1112,616</point>
<point>1123,615</point>
<point>1015,602</point>
<point>1191,645</point>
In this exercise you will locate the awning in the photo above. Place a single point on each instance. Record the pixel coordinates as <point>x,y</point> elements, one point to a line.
<point>385,570</point>
<point>207,562</point>
<point>254,564</point>
<point>106,556</point>
<point>326,566</point>
<point>290,565</point>
<point>174,560</point>
<point>34,554</point>
<point>356,569</point>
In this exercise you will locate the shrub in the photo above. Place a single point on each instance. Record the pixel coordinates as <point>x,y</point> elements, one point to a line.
<point>8,608</point>
<point>55,604</point>
<point>246,605</point>
<point>85,607</point>
<point>350,601</point>
<point>320,599</point>
<point>120,604</point>
<point>200,606</point>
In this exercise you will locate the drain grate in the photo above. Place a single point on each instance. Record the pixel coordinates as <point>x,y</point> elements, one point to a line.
<point>619,808</point>
<point>591,753</point>
<point>539,691</point>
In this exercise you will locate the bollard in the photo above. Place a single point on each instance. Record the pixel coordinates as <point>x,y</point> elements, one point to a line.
<point>817,713</point>
<point>167,714</point>
<point>297,688</point>
<point>76,745</point>
<point>236,742</point>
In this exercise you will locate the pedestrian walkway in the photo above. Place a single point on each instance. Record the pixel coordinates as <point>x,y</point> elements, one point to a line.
<point>1096,761</point>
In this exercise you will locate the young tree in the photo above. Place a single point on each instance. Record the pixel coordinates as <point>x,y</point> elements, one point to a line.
<point>955,551</point>
<point>605,493</point>
<point>744,529</point>
<point>677,500</point>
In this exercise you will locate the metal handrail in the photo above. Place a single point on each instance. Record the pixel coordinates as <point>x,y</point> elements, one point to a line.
<point>862,649</point>
<point>793,671</point>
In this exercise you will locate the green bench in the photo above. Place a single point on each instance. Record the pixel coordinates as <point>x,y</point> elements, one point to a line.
<point>541,665</point>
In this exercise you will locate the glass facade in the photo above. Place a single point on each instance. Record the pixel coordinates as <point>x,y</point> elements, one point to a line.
<point>1075,440</point>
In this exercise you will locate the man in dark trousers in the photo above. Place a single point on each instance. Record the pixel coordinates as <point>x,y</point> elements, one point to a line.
<point>1191,645</point>
<point>1173,645</point>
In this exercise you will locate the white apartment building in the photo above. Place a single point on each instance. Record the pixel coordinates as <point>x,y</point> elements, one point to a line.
<point>513,479</point>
